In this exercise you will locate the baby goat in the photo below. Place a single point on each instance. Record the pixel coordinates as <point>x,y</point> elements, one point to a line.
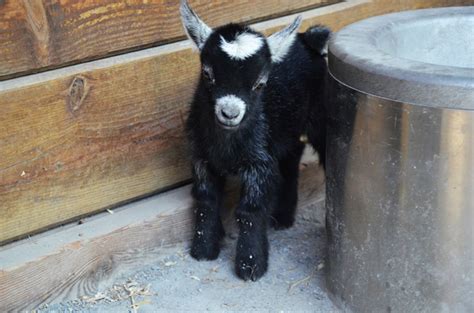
<point>255,98</point>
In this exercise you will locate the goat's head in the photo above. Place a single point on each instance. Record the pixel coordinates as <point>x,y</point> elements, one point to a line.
<point>236,62</point>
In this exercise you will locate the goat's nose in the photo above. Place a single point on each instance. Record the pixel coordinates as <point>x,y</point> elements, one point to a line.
<point>230,113</point>
<point>229,110</point>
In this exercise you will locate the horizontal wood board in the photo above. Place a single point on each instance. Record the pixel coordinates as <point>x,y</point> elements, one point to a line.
<point>39,34</point>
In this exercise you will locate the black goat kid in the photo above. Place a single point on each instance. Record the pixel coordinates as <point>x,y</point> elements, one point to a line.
<point>255,98</point>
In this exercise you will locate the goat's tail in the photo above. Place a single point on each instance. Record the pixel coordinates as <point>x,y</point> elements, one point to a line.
<point>317,38</point>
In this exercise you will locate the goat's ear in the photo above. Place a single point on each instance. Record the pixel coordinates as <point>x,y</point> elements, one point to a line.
<point>281,42</point>
<point>195,28</point>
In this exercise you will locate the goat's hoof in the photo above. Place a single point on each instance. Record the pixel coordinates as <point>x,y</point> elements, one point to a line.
<point>250,268</point>
<point>206,244</point>
<point>279,221</point>
<point>204,250</point>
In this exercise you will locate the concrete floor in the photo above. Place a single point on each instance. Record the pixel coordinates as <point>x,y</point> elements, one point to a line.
<point>176,282</point>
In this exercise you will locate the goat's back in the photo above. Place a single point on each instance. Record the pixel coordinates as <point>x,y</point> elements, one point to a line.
<point>294,97</point>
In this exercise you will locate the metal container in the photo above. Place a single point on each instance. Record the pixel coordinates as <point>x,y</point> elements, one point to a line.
<point>400,164</point>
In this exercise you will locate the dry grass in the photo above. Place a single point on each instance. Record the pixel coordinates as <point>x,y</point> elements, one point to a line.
<point>307,278</point>
<point>126,292</point>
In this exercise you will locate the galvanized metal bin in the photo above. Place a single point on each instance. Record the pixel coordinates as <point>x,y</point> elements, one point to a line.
<point>400,165</point>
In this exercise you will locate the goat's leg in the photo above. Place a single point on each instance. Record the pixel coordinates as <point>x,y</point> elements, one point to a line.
<point>284,214</point>
<point>258,189</point>
<point>208,230</point>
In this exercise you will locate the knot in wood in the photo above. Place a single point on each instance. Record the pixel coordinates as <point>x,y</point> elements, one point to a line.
<point>77,93</point>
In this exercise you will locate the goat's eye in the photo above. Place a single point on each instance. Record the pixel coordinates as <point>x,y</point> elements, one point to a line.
<point>259,85</point>
<point>207,73</point>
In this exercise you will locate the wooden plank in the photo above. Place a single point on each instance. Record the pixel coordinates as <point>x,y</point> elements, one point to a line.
<point>36,34</point>
<point>87,140</point>
<point>76,260</point>
<point>79,139</point>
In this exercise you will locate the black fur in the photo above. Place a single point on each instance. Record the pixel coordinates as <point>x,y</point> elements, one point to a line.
<point>316,37</point>
<point>265,149</point>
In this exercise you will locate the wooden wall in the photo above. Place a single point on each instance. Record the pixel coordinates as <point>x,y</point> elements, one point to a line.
<point>36,34</point>
<point>87,136</point>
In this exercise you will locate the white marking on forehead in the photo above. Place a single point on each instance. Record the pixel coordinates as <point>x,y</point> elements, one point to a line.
<point>245,45</point>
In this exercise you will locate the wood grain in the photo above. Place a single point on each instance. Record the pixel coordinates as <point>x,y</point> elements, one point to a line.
<point>37,34</point>
<point>78,260</point>
<point>82,142</point>
<point>76,140</point>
